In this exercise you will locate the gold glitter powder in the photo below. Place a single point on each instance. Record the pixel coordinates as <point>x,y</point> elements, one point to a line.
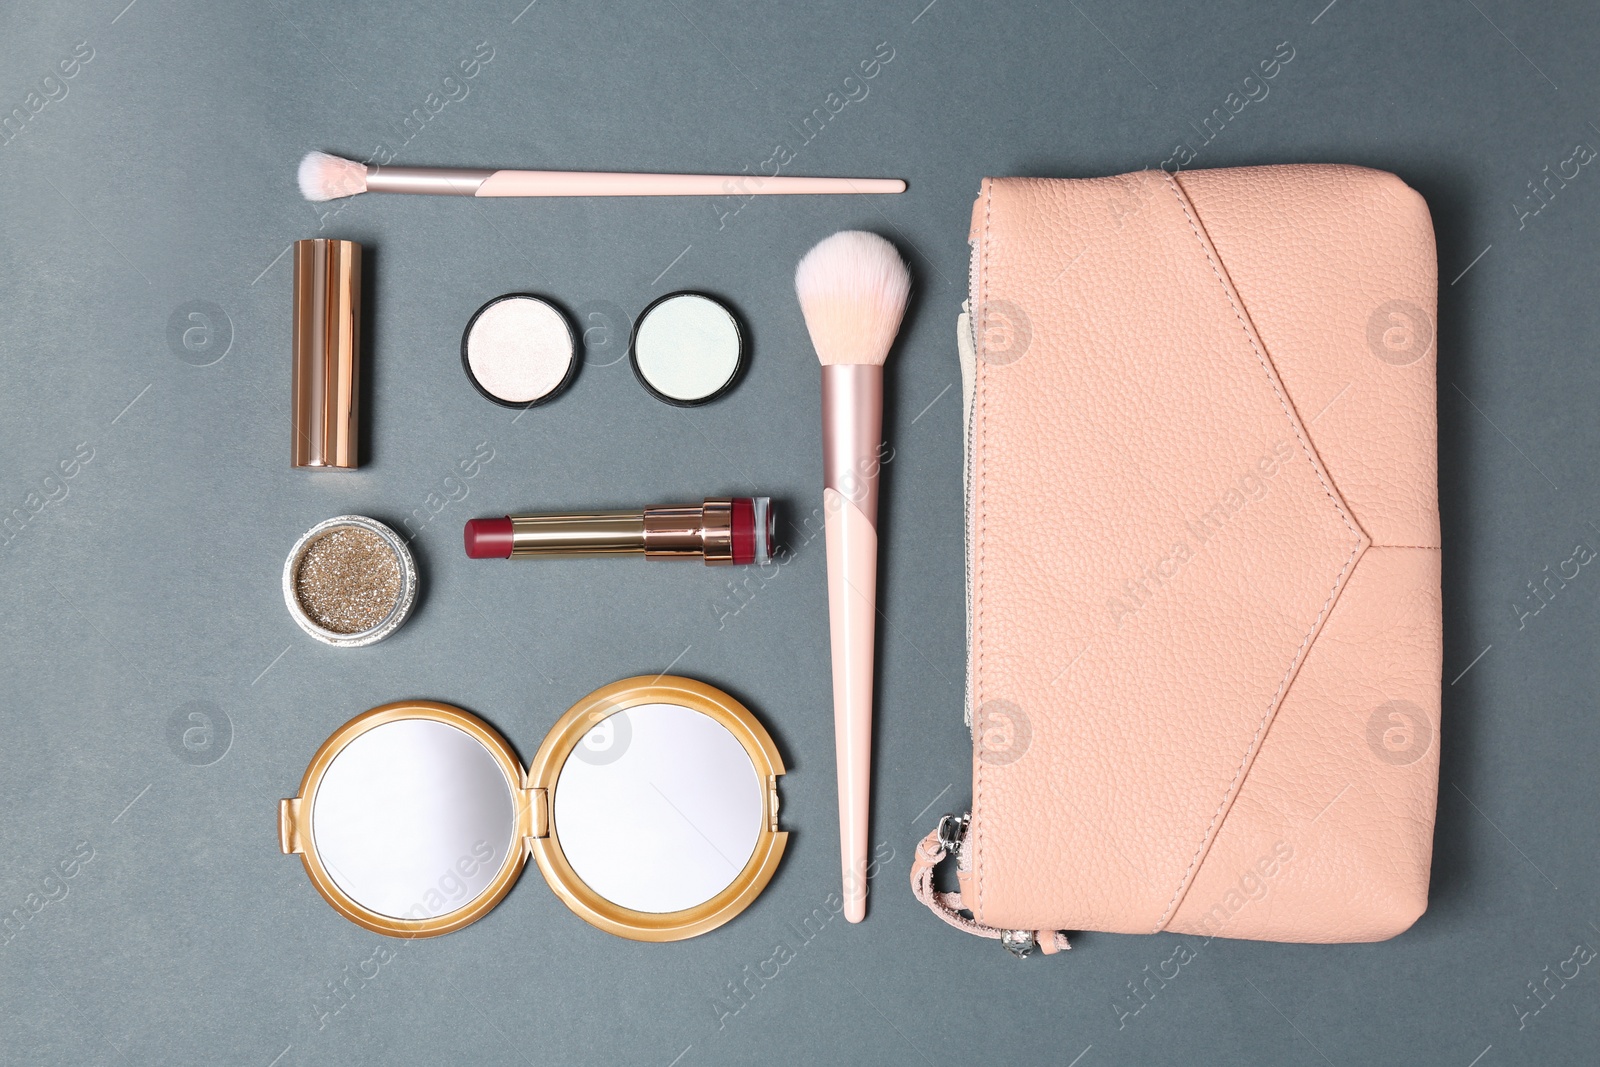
<point>348,580</point>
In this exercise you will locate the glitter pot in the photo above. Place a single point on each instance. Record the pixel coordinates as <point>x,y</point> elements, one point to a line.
<point>350,581</point>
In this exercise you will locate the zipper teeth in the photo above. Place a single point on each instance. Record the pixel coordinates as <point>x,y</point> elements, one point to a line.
<point>966,467</point>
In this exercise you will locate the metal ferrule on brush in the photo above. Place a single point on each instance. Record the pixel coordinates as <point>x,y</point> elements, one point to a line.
<point>435,181</point>
<point>852,420</point>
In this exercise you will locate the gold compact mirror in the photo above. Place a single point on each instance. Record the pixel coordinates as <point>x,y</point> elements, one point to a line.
<point>651,808</point>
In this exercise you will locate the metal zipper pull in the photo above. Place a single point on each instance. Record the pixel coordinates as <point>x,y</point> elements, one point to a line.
<point>1020,943</point>
<point>953,833</point>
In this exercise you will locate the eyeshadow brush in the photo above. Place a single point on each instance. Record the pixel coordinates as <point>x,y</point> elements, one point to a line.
<point>325,177</point>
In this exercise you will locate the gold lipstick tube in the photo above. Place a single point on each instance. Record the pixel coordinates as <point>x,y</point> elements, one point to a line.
<point>720,530</point>
<point>326,380</point>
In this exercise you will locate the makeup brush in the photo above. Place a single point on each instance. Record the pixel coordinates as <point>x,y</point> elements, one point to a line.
<point>853,288</point>
<point>325,177</point>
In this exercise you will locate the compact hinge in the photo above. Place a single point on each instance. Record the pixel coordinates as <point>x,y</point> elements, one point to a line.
<point>534,812</point>
<point>289,827</point>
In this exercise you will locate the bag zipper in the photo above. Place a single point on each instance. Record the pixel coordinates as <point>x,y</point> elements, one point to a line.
<point>953,828</point>
<point>953,833</point>
<point>967,354</point>
<point>952,839</point>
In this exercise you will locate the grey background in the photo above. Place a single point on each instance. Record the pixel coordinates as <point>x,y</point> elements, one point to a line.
<point>164,176</point>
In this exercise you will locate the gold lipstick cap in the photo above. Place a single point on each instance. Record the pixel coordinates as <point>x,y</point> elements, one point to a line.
<point>327,354</point>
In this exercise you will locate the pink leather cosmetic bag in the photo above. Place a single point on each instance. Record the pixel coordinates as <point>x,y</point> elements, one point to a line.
<point>1204,636</point>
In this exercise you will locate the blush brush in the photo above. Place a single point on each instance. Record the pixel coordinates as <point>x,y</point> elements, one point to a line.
<point>853,288</point>
<point>326,177</point>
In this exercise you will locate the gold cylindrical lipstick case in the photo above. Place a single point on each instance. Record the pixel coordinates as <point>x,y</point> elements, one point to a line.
<point>597,533</point>
<point>326,380</point>
<point>719,530</point>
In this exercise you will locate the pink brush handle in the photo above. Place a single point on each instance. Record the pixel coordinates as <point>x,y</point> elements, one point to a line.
<point>594,183</point>
<point>852,607</point>
<point>852,429</point>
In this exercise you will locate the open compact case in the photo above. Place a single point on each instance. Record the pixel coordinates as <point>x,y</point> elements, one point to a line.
<point>651,808</point>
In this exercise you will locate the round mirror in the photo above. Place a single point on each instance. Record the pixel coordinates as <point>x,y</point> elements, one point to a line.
<point>651,809</point>
<point>658,808</point>
<point>413,819</point>
<point>664,808</point>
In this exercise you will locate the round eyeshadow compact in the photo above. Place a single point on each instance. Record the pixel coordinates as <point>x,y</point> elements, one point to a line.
<point>688,349</point>
<point>350,581</point>
<point>519,350</point>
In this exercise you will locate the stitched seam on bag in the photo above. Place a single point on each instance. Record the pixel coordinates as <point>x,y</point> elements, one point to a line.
<point>1283,401</point>
<point>977,566</point>
<point>1338,579</point>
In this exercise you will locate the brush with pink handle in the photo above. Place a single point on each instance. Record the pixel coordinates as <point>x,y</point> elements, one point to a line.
<point>325,177</point>
<point>853,288</point>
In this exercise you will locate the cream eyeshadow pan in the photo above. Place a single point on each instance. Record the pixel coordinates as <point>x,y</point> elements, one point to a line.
<point>688,349</point>
<point>519,350</point>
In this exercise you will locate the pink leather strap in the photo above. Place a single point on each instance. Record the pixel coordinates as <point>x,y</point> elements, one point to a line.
<point>947,906</point>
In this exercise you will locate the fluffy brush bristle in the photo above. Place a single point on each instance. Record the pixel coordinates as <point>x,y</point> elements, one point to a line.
<point>325,177</point>
<point>853,288</point>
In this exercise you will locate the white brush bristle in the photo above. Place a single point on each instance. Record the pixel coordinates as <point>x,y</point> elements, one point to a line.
<point>853,288</point>
<point>325,177</point>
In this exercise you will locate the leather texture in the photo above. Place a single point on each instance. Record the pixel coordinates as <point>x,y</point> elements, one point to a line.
<point>1205,620</point>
